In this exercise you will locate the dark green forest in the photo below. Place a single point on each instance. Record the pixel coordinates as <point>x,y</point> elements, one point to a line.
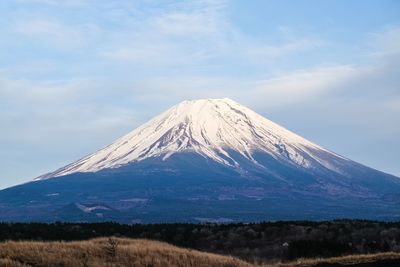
<point>256,242</point>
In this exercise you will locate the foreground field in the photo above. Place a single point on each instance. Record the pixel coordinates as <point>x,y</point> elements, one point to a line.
<point>108,252</point>
<point>388,259</point>
<point>146,253</point>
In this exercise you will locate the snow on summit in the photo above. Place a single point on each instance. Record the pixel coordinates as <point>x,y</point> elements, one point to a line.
<point>212,128</point>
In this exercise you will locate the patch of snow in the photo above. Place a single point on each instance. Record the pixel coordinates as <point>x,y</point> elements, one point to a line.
<point>212,128</point>
<point>89,209</point>
<point>53,194</point>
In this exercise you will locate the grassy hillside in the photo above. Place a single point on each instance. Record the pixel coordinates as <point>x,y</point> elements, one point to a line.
<point>145,253</point>
<point>387,259</point>
<point>108,252</point>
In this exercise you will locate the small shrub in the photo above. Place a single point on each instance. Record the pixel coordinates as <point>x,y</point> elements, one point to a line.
<point>111,247</point>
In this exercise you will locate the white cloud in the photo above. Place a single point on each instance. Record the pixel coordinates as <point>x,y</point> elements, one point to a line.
<point>53,117</point>
<point>285,48</point>
<point>186,24</point>
<point>385,43</point>
<point>194,33</point>
<point>57,34</point>
<point>302,85</point>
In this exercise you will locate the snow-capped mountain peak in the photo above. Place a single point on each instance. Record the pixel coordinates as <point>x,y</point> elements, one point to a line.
<point>212,128</point>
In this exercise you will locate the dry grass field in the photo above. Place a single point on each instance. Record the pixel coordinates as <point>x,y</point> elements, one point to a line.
<point>140,252</point>
<point>108,252</point>
<point>388,259</point>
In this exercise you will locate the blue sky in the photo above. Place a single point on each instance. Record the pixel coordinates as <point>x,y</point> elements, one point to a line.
<point>75,75</point>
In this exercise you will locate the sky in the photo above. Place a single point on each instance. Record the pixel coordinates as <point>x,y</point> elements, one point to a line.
<point>75,75</point>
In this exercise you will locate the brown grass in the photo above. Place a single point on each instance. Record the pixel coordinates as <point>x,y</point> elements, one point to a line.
<point>104,252</point>
<point>99,252</point>
<point>345,260</point>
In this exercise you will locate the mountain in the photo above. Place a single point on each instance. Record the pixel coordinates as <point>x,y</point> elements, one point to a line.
<point>206,160</point>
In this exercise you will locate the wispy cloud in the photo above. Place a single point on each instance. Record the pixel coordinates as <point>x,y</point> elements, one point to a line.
<point>55,33</point>
<point>385,43</point>
<point>304,84</point>
<point>64,4</point>
<point>196,32</point>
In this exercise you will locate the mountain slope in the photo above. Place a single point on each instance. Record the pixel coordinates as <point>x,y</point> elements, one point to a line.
<point>209,128</point>
<point>213,160</point>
